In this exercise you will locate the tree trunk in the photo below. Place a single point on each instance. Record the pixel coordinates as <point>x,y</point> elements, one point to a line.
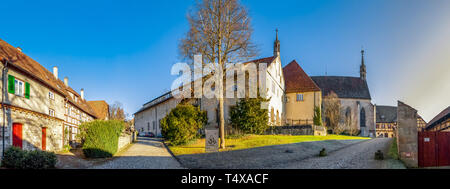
<point>222,124</point>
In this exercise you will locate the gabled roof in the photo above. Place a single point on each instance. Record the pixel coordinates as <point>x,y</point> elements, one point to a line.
<point>296,80</point>
<point>267,60</point>
<point>25,64</point>
<point>444,115</point>
<point>344,87</point>
<point>101,108</point>
<point>167,96</point>
<point>386,114</point>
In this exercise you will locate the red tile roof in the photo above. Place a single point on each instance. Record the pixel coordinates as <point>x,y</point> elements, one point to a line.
<point>25,64</point>
<point>101,108</point>
<point>296,80</point>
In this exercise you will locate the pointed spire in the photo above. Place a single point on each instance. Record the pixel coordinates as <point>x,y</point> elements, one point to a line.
<point>276,30</point>
<point>362,68</point>
<point>362,56</point>
<point>276,45</point>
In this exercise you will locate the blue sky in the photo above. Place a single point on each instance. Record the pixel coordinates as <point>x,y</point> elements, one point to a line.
<point>123,50</point>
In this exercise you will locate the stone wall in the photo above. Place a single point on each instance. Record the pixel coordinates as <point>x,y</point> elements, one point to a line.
<point>407,134</point>
<point>32,124</point>
<point>124,140</point>
<point>290,130</point>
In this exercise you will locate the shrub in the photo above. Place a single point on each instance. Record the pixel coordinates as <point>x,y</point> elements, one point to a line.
<point>101,138</point>
<point>323,152</point>
<point>182,124</point>
<point>248,116</point>
<point>317,116</point>
<point>379,155</point>
<point>19,159</point>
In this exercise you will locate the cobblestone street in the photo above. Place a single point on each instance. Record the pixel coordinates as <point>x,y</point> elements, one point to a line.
<point>358,156</point>
<point>147,153</point>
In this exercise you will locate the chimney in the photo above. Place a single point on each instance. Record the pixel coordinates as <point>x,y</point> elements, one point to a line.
<point>55,72</point>
<point>66,81</point>
<point>82,93</point>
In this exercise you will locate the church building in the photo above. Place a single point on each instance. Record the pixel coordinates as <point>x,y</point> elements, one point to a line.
<point>354,95</point>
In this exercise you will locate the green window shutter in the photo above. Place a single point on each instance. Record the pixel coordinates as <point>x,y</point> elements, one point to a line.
<point>27,90</point>
<point>11,86</point>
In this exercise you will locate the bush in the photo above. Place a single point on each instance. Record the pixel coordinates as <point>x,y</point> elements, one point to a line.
<point>249,117</point>
<point>323,152</point>
<point>17,158</point>
<point>317,116</point>
<point>101,138</point>
<point>379,155</point>
<point>182,124</point>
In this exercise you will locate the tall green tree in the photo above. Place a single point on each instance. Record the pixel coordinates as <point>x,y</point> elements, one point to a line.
<point>248,116</point>
<point>220,31</point>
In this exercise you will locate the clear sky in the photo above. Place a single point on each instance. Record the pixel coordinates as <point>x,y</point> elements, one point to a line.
<point>123,50</point>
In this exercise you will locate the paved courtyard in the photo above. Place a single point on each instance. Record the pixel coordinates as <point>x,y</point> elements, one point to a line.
<point>343,154</point>
<point>359,156</point>
<point>147,153</point>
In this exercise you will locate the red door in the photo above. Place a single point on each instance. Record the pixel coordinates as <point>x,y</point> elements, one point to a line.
<point>443,141</point>
<point>44,138</point>
<point>427,149</point>
<point>17,135</point>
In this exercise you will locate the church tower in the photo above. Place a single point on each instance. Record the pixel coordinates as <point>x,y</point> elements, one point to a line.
<point>276,46</point>
<point>362,68</point>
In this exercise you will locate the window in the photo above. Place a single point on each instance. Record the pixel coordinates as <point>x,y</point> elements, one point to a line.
<point>51,112</point>
<point>299,97</point>
<point>51,95</point>
<point>19,87</point>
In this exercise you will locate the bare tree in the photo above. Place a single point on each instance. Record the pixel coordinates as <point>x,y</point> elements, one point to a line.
<point>116,111</point>
<point>332,110</point>
<point>219,31</point>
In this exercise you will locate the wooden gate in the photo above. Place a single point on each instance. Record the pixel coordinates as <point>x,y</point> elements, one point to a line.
<point>434,149</point>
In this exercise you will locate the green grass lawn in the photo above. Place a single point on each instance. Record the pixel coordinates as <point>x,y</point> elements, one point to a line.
<point>252,141</point>
<point>393,150</point>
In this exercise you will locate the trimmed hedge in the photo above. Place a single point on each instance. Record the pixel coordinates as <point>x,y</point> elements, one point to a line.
<point>101,138</point>
<point>17,158</point>
<point>182,124</point>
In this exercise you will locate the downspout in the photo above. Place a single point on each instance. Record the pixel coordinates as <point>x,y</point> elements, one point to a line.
<point>3,106</point>
<point>156,121</point>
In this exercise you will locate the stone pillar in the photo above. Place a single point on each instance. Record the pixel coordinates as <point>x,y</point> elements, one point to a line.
<point>407,134</point>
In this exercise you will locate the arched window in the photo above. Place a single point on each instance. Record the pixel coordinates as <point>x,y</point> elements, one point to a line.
<point>362,118</point>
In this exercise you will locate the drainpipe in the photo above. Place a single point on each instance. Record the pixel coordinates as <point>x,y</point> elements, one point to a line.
<point>3,106</point>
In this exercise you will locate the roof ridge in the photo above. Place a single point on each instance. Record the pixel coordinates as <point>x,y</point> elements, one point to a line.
<point>38,72</point>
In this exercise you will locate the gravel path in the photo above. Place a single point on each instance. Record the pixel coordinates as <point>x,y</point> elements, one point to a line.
<point>145,154</point>
<point>359,156</point>
<point>276,156</point>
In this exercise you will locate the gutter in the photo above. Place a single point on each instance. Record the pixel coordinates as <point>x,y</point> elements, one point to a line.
<point>3,107</point>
